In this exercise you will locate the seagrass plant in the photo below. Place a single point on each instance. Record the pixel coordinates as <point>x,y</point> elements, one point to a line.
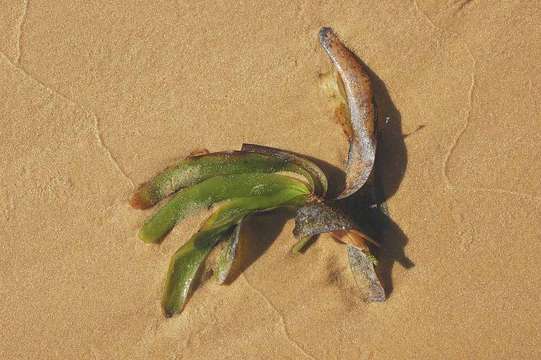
<point>237,184</point>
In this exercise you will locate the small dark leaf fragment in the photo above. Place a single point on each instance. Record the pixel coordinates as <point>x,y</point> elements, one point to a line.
<point>362,267</point>
<point>315,219</point>
<point>318,218</point>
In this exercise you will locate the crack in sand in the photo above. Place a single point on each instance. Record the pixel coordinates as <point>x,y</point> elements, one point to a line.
<point>533,98</point>
<point>97,132</point>
<point>462,4</point>
<point>471,95</point>
<point>425,16</point>
<point>428,20</point>
<point>282,320</point>
<point>112,159</point>
<point>526,196</point>
<point>465,126</point>
<point>22,20</point>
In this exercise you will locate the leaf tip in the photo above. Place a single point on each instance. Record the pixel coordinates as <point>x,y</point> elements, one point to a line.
<point>167,312</point>
<point>325,33</point>
<point>142,198</point>
<point>145,237</point>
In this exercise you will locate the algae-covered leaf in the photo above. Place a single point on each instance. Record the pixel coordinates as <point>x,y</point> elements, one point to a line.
<point>199,167</point>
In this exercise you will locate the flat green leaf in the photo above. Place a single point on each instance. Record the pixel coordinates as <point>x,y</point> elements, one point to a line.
<point>187,260</point>
<point>204,194</point>
<point>195,169</point>
<point>183,269</point>
<point>296,164</point>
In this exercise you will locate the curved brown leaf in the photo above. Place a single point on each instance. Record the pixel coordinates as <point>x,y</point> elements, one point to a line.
<point>358,89</point>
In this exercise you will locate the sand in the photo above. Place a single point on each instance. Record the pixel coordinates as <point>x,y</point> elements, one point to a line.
<point>97,97</point>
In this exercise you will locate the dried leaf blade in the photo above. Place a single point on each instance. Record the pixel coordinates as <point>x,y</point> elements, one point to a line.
<point>359,96</point>
<point>364,273</point>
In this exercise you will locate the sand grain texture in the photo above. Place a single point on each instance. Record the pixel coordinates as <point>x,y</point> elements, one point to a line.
<point>98,96</point>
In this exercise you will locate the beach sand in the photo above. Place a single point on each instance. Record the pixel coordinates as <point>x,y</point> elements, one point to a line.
<point>98,97</point>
